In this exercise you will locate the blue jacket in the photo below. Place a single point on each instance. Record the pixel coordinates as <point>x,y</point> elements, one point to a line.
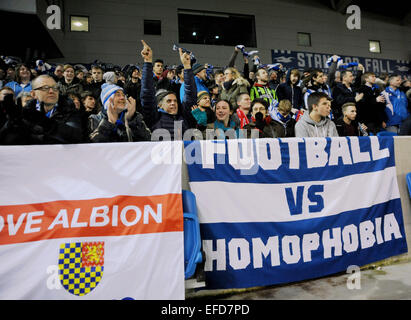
<point>199,85</point>
<point>17,88</point>
<point>156,118</point>
<point>396,106</point>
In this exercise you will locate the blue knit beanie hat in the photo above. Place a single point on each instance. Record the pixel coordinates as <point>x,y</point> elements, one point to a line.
<point>107,90</point>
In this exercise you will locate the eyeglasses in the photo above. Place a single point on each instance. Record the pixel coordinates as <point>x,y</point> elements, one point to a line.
<point>47,88</point>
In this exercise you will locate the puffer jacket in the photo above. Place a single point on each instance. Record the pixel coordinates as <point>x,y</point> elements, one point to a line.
<point>157,118</point>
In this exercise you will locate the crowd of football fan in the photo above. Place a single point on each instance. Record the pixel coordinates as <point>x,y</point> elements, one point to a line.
<point>65,103</point>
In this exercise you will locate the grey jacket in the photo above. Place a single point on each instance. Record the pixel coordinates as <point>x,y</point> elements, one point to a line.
<point>307,127</point>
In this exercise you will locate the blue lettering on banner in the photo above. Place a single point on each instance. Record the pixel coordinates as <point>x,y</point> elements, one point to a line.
<point>274,253</point>
<point>303,60</point>
<point>313,234</point>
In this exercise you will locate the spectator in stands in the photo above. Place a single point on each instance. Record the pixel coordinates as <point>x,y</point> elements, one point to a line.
<point>69,83</point>
<point>315,82</point>
<point>259,120</point>
<point>23,80</point>
<point>23,98</point>
<point>202,112</point>
<point>214,94</point>
<point>90,103</point>
<point>231,64</point>
<point>396,104</point>
<point>51,117</point>
<point>110,77</point>
<point>242,115</point>
<point>219,78</point>
<point>158,68</point>
<point>12,129</point>
<point>283,123</point>
<point>234,84</point>
<point>96,82</point>
<point>346,91</point>
<point>200,77</point>
<point>76,99</point>
<point>132,87</point>
<point>161,110</point>
<point>224,126</point>
<point>58,72</point>
<point>120,122</point>
<point>316,122</point>
<point>347,125</point>
<point>79,74</point>
<point>382,80</point>
<point>5,91</point>
<point>291,91</point>
<point>160,80</point>
<point>371,108</point>
<point>260,89</point>
<point>274,79</point>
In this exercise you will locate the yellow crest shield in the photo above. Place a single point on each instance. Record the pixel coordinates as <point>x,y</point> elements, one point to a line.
<point>81,266</point>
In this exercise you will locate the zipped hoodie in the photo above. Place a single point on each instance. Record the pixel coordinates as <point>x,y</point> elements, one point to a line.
<point>307,127</point>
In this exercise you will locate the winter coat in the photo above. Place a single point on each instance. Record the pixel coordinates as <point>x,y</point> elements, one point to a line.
<point>396,106</point>
<point>369,111</point>
<point>94,87</point>
<point>231,90</point>
<point>220,130</point>
<point>290,92</point>
<point>343,128</point>
<point>307,127</point>
<point>199,84</point>
<point>283,129</point>
<point>102,130</point>
<point>74,87</point>
<point>17,87</point>
<point>64,125</point>
<point>132,89</point>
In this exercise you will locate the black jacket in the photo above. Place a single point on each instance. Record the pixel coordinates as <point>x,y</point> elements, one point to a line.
<point>63,126</point>
<point>102,130</point>
<point>342,128</point>
<point>369,111</point>
<point>290,92</point>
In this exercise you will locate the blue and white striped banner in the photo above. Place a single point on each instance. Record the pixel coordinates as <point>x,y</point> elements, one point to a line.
<point>283,210</point>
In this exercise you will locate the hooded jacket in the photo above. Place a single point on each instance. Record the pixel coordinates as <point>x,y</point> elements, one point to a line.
<point>291,92</point>
<point>307,127</point>
<point>283,127</point>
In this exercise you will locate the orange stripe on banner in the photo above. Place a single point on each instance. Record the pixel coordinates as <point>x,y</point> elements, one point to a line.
<point>117,216</point>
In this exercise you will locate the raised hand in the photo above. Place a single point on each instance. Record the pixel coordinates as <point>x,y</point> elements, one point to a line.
<point>131,108</point>
<point>185,59</point>
<point>146,53</point>
<point>111,112</point>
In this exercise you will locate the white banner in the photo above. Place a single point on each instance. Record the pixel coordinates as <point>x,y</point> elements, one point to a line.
<point>91,221</point>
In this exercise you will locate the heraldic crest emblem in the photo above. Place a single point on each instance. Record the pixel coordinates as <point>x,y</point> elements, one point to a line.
<point>81,266</point>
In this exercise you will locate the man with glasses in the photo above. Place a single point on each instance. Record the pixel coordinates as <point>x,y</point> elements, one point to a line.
<point>52,118</point>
